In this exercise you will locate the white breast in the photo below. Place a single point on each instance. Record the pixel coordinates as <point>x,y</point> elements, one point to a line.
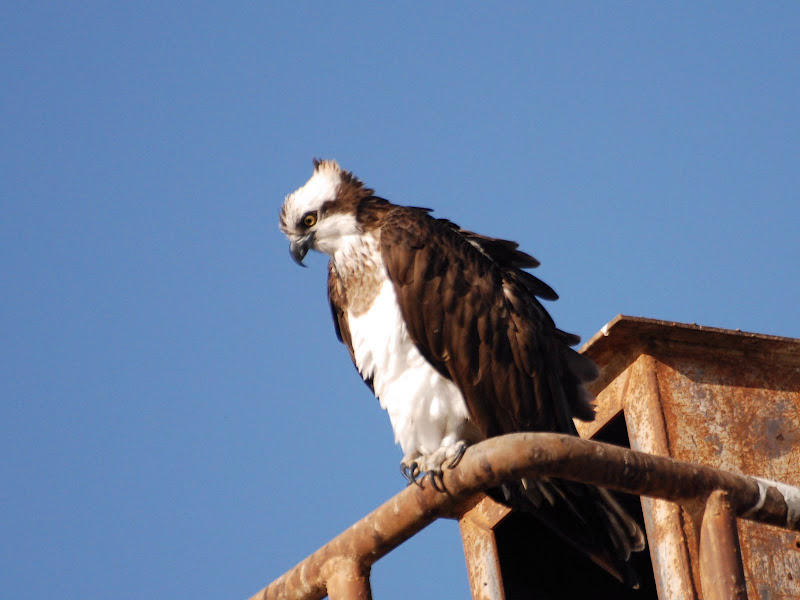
<point>426,410</point>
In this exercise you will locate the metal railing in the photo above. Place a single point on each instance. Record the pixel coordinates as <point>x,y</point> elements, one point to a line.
<point>714,498</point>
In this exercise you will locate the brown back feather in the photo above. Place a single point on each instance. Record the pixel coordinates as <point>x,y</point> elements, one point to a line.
<point>502,351</point>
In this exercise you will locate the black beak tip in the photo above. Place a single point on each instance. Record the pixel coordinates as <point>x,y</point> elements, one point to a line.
<point>298,260</point>
<point>298,252</point>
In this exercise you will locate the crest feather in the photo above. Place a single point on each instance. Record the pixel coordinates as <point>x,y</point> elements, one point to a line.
<point>321,164</point>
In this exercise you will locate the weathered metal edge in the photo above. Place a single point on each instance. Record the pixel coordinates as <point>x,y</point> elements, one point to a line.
<point>623,325</point>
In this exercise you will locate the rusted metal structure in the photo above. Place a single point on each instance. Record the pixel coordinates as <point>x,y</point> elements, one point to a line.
<point>713,417</point>
<point>725,399</point>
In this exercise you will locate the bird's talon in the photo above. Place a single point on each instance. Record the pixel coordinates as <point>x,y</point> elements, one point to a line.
<point>462,448</point>
<point>437,480</point>
<point>410,471</point>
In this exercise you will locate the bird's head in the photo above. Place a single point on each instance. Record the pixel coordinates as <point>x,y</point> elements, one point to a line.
<point>321,215</point>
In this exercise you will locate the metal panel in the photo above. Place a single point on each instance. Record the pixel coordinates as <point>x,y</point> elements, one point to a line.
<point>669,551</point>
<point>721,398</point>
<point>480,548</point>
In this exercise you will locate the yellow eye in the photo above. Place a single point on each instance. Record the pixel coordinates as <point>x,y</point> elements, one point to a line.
<point>310,220</point>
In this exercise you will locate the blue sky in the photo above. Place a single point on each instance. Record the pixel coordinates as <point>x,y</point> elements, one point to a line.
<point>177,418</point>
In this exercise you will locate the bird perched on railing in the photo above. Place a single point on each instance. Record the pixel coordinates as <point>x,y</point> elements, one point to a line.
<point>446,328</point>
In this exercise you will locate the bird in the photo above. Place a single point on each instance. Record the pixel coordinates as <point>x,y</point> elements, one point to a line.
<point>447,329</point>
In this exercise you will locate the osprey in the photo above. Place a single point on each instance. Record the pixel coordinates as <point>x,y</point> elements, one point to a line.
<point>446,329</point>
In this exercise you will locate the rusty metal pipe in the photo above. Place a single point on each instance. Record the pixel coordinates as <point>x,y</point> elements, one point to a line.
<point>508,458</point>
<point>347,579</point>
<point>721,571</point>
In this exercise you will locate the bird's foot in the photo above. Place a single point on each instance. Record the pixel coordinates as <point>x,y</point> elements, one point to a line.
<point>433,465</point>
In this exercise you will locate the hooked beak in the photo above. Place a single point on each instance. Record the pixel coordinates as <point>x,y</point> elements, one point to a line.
<point>299,248</point>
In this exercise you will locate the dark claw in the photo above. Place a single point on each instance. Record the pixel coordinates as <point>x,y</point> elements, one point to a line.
<point>437,480</point>
<point>410,472</point>
<point>457,458</point>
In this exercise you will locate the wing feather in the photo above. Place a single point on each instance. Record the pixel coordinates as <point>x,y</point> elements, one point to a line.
<point>474,315</point>
<point>338,304</point>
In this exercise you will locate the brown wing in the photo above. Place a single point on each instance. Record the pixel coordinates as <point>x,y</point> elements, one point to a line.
<point>478,322</point>
<point>338,303</point>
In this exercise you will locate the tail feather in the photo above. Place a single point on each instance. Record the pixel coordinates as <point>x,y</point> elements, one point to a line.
<point>626,534</point>
<point>588,518</point>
